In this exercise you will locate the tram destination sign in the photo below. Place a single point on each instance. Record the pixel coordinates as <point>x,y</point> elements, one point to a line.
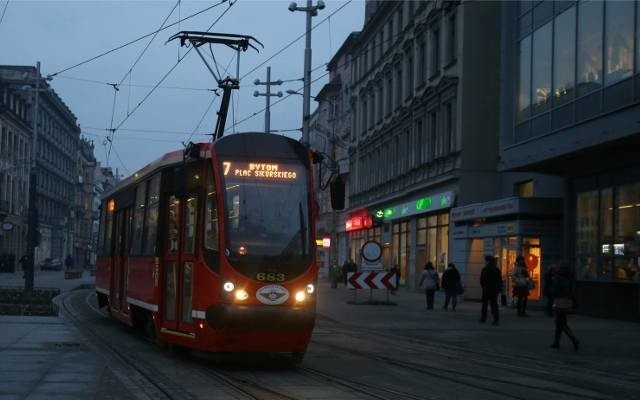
<point>260,170</point>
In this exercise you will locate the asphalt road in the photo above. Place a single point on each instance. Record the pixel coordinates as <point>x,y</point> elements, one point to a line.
<point>378,352</point>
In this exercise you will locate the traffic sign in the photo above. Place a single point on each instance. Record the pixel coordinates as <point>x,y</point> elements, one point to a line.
<point>371,280</point>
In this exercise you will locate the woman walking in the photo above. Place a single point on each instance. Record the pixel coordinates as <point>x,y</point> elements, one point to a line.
<point>451,285</point>
<point>521,285</point>
<point>430,282</point>
<point>563,303</point>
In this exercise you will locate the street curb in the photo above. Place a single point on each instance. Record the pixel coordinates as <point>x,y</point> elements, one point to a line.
<point>55,302</point>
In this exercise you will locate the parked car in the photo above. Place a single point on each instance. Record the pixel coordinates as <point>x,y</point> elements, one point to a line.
<point>52,264</point>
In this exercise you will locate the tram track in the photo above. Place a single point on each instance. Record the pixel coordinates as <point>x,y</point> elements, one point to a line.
<point>548,370</point>
<point>482,382</point>
<point>148,381</point>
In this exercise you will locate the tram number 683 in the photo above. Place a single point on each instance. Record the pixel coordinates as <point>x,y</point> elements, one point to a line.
<point>270,277</point>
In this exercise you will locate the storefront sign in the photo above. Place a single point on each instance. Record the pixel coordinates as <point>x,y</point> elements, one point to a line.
<point>359,222</point>
<point>417,206</point>
<point>484,210</point>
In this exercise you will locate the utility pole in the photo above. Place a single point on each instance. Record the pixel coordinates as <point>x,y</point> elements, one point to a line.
<point>267,94</point>
<point>32,231</point>
<point>311,11</point>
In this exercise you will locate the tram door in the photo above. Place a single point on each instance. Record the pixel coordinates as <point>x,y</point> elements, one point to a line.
<point>179,261</point>
<point>120,260</point>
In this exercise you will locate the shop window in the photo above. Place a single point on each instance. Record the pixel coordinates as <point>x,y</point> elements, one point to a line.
<point>587,235</point>
<point>525,189</point>
<point>626,246</point>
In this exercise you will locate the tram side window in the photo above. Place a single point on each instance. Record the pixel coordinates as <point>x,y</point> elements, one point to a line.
<point>107,249</point>
<point>138,218</point>
<point>151,219</point>
<point>101,231</point>
<point>211,233</point>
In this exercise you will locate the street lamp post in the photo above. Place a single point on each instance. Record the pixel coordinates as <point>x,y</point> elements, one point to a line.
<point>32,230</point>
<point>311,11</point>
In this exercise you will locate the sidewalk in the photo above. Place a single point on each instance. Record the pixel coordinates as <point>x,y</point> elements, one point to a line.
<point>604,343</point>
<point>43,357</point>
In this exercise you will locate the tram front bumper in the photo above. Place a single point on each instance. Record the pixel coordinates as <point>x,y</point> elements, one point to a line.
<point>223,316</point>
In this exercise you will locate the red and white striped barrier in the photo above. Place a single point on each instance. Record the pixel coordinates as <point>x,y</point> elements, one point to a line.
<point>371,280</point>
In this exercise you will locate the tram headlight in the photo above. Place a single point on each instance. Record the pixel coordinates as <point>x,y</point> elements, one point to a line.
<point>228,286</point>
<point>241,294</point>
<point>311,288</point>
<point>300,296</point>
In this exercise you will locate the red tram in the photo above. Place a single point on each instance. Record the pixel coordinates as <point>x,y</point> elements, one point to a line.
<point>212,248</point>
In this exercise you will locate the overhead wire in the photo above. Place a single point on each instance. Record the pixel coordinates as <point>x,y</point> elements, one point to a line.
<point>295,40</point>
<point>231,3</point>
<point>135,40</point>
<point>148,44</point>
<point>4,10</point>
<point>136,85</point>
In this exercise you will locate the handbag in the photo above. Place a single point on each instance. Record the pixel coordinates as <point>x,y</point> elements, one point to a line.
<point>531,284</point>
<point>563,304</point>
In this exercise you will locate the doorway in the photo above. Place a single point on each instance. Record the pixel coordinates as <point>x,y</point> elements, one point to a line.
<point>181,220</point>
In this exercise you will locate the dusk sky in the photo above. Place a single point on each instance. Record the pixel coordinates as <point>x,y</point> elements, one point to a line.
<point>61,34</point>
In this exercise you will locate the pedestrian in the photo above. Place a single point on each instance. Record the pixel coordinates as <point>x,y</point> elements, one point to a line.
<point>430,282</point>
<point>68,262</point>
<point>491,283</point>
<point>345,269</point>
<point>562,290</point>
<point>547,280</point>
<point>395,270</point>
<point>521,285</point>
<point>452,286</point>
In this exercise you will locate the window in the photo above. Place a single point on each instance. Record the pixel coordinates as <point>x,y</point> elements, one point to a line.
<point>564,56</point>
<point>452,44</point>
<point>589,57</point>
<point>422,60</point>
<point>435,51</point>
<point>619,40</point>
<point>432,136</point>
<point>419,147</point>
<point>389,104</point>
<point>390,33</point>
<point>190,224</point>
<point>364,116</point>
<point>151,217</point>
<point>541,68</point>
<point>525,189</point>
<point>410,76</point>
<point>449,131</point>
<point>379,109</point>
<point>626,247</point>
<point>138,218</point>
<point>398,85</point>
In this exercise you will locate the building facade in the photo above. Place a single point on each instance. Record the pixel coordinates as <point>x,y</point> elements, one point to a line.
<point>330,135</point>
<point>57,147</point>
<point>15,156</point>
<point>84,211</point>
<point>570,106</point>
<point>424,96</point>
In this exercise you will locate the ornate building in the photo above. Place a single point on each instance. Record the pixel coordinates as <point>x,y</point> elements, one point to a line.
<point>424,95</point>
<point>84,207</point>
<point>57,148</point>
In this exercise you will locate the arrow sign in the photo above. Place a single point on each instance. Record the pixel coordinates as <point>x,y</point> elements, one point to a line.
<point>371,280</point>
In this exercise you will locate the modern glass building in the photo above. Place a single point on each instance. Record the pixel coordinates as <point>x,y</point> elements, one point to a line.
<point>570,107</point>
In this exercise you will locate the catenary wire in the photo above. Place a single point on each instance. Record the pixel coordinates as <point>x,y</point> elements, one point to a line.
<point>148,44</point>
<point>231,3</point>
<point>137,85</point>
<point>135,40</point>
<point>295,40</point>
<point>4,10</point>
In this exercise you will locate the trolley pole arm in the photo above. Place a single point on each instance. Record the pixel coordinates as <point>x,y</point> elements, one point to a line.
<point>236,42</point>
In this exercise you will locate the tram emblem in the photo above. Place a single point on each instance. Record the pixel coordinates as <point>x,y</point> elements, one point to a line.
<point>272,294</point>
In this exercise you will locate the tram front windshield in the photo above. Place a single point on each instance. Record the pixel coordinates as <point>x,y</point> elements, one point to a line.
<point>267,218</point>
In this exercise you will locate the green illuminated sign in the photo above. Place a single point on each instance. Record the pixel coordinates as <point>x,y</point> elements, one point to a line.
<point>419,206</point>
<point>423,203</point>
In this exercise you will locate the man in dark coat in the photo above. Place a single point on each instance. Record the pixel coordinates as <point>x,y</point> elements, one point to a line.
<point>491,282</point>
<point>451,285</point>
